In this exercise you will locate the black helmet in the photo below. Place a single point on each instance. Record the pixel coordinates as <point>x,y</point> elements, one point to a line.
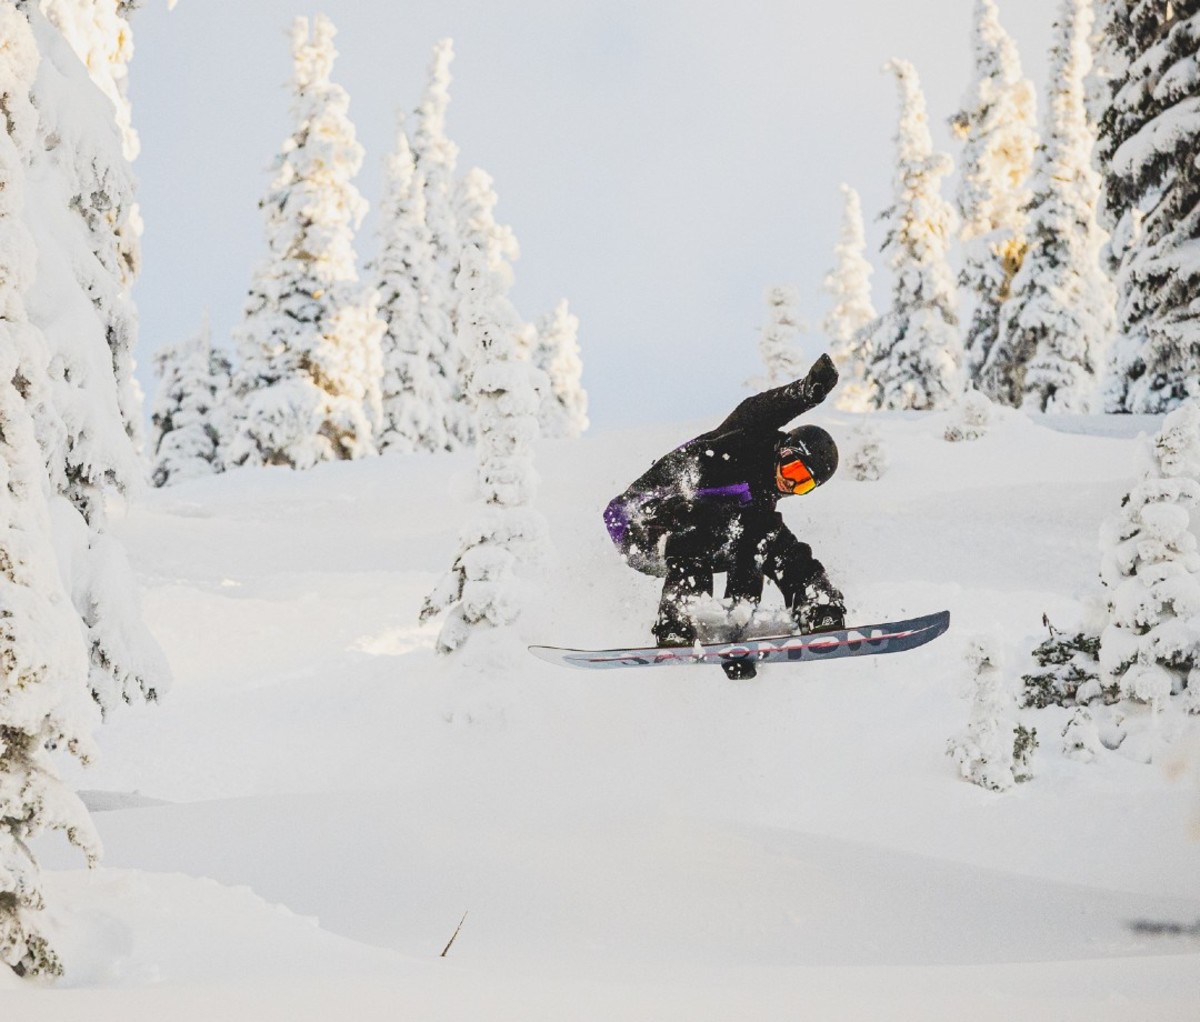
<point>808,448</point>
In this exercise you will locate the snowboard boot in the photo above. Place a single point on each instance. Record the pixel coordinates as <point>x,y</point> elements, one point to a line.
<point>822,607</point>
<point>673,626</point>
<point>670,631</point>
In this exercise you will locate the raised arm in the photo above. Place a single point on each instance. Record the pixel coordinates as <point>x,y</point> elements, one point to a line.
<point>775,408</point>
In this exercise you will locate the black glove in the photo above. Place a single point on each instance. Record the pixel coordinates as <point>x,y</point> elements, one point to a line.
<point>821,379</point>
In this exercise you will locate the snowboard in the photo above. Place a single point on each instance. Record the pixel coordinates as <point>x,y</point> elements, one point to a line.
<point>863,640</point>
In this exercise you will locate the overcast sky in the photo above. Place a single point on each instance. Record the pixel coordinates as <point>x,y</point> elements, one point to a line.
<point>662,162</point>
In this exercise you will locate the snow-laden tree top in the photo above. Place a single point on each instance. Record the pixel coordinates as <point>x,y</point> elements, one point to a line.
<point>777,343</point>
<point>435,158</point>
<point>1070,62</point>
<point>915,349</point>
<point>416,322</point>
<point>996,124</point>
<point>98,32</point>
<point>564,406</point>
<point>430,140</point>
<point>319,159</point>
<point>850,280</point>
<point>308,382</point>
<point>1056,326</point>
<point>476,202</point>
<point>914,143</point>
<point>849,284</point>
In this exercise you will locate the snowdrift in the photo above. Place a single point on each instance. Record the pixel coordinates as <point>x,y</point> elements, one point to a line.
<point>300,825</point>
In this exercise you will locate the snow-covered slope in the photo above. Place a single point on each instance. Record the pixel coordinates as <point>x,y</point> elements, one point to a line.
<point>300,826</point>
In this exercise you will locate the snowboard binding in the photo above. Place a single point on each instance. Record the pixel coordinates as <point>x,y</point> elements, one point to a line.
<point>742,669</point>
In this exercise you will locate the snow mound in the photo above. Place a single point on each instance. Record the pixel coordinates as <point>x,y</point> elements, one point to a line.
<point>638,844</point>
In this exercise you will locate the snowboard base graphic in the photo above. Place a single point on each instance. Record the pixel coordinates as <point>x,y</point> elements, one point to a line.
<point>862,640</point>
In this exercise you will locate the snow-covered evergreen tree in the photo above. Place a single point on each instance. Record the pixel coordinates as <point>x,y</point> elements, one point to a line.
<point>1081,737</point>
<point>915,350</point>
<point>995,750</point>
<point>188,412</point>
<point>45,702</point>
<point>431,219</point>
<point>1056,325</point>
<point>475,203</point>
<point>1069,670</point>
<point>849,284</point>
<point>79,203</point>
<point>43,695</point>
<point>866,457</point>
<point>1151,568</point>
<point>417,324</point>
<point>996,125</point>
<point>476,229</point>
<point>483,587</point>
<point>563,414</point>
<point>777,343</point>
<point>436,157</point>
<point>308,378</point>
<point>969,418</point>
<point>1150,152</point>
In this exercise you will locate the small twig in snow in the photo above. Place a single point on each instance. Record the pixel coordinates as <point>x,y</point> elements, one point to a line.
<point>446,949</point>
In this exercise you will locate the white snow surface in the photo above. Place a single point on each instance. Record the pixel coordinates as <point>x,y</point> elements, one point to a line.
<point>296,831</point>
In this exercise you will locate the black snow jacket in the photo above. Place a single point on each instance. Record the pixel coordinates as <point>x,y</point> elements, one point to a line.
<point>714,493</point>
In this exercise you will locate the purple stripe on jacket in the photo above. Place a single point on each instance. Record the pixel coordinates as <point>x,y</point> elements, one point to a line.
<point>739,490</point>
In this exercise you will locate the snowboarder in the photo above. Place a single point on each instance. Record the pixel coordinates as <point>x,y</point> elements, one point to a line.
<point>709,506</point>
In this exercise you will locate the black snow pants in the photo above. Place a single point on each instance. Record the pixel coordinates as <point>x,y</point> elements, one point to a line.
<point>748,561</point>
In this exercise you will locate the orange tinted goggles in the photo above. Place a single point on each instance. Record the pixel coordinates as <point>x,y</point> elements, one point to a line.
<point>792,475</point>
